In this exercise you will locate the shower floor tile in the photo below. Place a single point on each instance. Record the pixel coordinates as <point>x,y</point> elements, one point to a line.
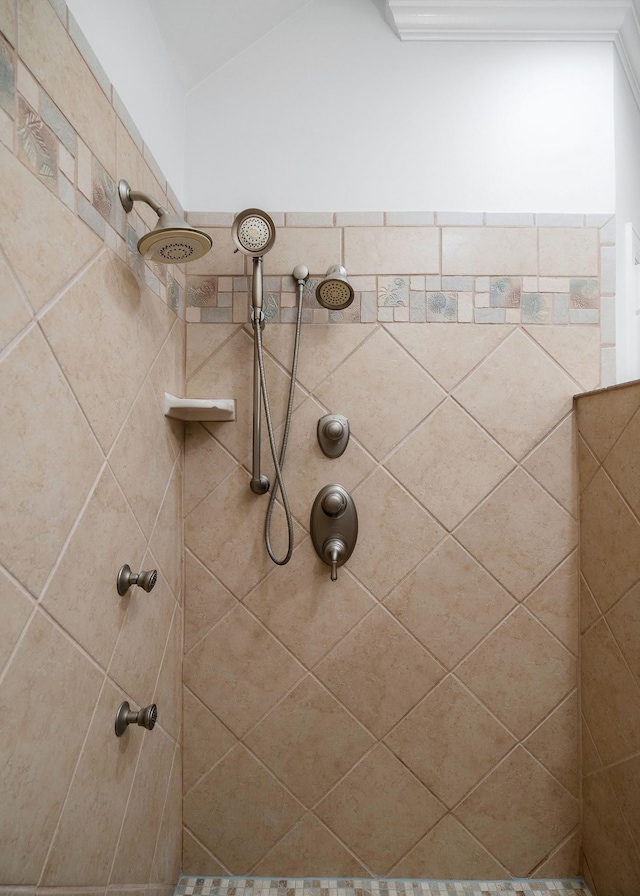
<point>264,886</point>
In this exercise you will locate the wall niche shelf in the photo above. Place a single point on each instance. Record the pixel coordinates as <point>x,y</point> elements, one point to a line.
<point>206,410</point>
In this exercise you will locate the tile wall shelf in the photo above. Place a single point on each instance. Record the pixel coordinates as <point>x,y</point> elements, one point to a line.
<point>199,409</point>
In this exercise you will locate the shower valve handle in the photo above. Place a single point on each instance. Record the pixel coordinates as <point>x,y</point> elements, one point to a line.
<point>334,550</point>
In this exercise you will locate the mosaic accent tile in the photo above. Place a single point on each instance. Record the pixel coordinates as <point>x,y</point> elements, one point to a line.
<point>584,316</point>
<point>37,145</point>
<point>104,197</point>
<point>96,222</point>
<point>216,315</point>
<point>393,291</point>
<point>67,193</point>
<point>368,307</point>
<point>442,306</point>
<point>7,79</point>
<point>490,316</point>
<point>584,294</point>
<point>561,309</point>
<point>506,292</point>
<point>457,284</point>
<point>52,117</point>
<point>257,886</point>
<point>536,308</point>
<point>417,306</point>
<point>202,292</point>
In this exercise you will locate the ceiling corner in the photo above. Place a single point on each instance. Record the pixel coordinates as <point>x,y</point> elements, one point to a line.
<point>613,21</point>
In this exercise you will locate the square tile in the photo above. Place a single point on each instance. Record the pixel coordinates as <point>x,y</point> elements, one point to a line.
<point>382,391</point>
<point>380,810</point>
<point>449,602</point>
<point>450,741</point>
<point>449,464</point>
<point>379,672</point>
<point>504,394</point>
<point>520,672</point>
<point>240,690</point>
<point>309,741</point>
<point>239,811</point>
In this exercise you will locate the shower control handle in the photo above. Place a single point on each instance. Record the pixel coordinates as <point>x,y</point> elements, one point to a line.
<point>334,526</point>
<point>333,434</point>
<point>334,550</point>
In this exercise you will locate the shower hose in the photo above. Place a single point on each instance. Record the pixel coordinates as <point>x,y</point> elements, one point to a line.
<point>278,462</point>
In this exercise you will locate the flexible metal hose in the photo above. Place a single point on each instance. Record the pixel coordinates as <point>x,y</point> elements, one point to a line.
<point>279,462</point>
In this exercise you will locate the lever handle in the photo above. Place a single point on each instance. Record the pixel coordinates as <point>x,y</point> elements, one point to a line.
<point>334,550</point>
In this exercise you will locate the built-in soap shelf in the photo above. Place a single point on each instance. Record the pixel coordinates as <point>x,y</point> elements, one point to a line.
<point>199,409</point>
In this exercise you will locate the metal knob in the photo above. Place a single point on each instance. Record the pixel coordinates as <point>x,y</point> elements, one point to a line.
<point>125,716</point>
<point>333,434</point>
<point>333,430</point>
<point>126,578</point>
<point>334,503</point>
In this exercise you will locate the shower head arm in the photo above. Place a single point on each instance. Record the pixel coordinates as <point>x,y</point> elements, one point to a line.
<point>129,196</point>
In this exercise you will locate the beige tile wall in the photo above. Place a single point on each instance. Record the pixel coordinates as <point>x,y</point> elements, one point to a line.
<point>419,717</point>
<point>91,478</point>
<point>609,434</point>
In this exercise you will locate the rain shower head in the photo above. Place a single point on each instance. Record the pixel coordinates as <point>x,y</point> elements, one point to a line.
<point>335,292</point>
<point>172,240</point>
<point>253,232</point>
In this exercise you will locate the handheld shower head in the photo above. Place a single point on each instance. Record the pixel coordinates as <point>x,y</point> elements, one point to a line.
<point>335,292</point>
<point>253,232</point>
<point>172,240</point>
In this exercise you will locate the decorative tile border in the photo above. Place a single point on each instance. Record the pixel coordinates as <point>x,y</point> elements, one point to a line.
<point>240,886</point>
<point>584,296</point>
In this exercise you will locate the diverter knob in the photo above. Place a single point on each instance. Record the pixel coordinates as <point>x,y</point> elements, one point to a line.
<point>334,503</point>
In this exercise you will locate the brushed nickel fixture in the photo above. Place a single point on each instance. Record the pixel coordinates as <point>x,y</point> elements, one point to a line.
<point>126,578</point>
<point>333,434</point>
<point>126,716</point>
<point>334,526</point>
<point>334,291</point>
<point>172,240</point>
<point>254,233</point>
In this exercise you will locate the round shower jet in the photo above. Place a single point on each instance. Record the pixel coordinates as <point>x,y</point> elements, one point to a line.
<point>335,292</point>
<point>172,241</point>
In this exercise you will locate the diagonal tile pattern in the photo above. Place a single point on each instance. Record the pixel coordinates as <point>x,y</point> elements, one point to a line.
<point>432,741</point>
<point>449,464</point>
<point>477,463</point>
<point>519,534</point>
<point>504,394</point>
<point>449,602</point>
<point>309,741</point>
<point>379,672</point>
<point>380,810</point>
<point>520,672</point>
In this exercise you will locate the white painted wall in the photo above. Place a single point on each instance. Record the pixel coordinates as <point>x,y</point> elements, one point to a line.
<point>330,111</point>
<point>627,126</point>
<point>126,39</point>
